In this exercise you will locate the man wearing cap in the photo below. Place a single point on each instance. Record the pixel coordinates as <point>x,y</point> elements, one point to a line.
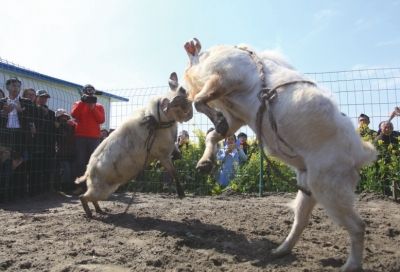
<point>89,115</point>
<point>43,150</point>
<point>363,127</point>
<point>65,153</point>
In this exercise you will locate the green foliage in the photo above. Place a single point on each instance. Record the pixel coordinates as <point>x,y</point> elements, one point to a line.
<point>276,176</point>
<point>379,176</point>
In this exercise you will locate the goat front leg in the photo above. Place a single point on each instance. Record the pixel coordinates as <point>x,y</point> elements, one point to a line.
<point>169,166</point>
<point>206,163</point>
<point>212,90</point>
<point>193,48</point>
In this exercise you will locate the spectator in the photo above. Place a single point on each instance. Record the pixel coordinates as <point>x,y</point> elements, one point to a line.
<point>29,94</point>
<point>386,133</point>
<point>4,154</point>
<point>231,156</point>
<point>89,115</point>
<point>242,142</point>
<point>65,149</point>
<point>103,134</point>
<point>43,153</point>
<point>15,117</point>
<point>15,120</point>
<point>183,140</point>
<point>363,127</point>
<point>387,144</point>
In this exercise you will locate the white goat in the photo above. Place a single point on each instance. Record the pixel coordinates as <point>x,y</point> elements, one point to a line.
<point>300,125</point>
<point>149,134</point>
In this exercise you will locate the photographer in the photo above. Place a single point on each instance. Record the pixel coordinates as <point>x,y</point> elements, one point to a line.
<point>230,157</point>
<point>89,115</point>
<point>15,122</point>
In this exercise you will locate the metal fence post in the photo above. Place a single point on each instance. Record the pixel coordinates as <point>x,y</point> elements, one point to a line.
<point>261,180</point>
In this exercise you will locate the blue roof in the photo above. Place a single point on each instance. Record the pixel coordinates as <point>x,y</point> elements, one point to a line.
<point>26,72</point>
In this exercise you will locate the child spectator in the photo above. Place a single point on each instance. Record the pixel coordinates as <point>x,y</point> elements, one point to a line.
<point>363,127</point>
<point>242,142</point>
<point>231,156</point>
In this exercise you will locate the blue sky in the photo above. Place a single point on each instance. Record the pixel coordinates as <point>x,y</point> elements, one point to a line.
<point>128,44</point>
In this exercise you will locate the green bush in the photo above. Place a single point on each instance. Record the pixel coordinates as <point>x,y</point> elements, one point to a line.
<point>379,176</point>
<point>276,176</point>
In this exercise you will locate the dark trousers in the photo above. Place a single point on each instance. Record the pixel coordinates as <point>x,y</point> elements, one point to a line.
<point>64,174</point>
<point>14,138</point>
<point>84,148</point>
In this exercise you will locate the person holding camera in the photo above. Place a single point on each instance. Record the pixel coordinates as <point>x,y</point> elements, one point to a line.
<point>88,115</point>
<point>15,122</point>
<point>230,156</point>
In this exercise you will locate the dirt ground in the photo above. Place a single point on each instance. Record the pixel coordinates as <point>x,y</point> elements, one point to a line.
<point>163,233</point>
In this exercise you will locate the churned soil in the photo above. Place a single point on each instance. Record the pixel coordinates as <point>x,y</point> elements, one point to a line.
<point>163,233</point>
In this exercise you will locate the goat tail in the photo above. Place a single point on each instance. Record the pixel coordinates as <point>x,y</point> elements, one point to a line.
<point>82,178</point>
<point>369,153</point>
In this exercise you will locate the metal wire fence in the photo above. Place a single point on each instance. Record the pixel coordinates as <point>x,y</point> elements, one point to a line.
<point>374,92</point>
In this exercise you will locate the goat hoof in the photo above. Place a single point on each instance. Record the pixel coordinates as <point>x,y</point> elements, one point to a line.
<point>351,268</point>
<point>205,166</point>
<point>277,253</point>
<point>221,125</point>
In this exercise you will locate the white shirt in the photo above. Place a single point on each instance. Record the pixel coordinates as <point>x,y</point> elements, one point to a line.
<point>13,121</point>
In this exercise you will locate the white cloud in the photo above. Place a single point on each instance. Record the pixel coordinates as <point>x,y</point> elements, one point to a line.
<point>394,42</point>
<point>324,16</point>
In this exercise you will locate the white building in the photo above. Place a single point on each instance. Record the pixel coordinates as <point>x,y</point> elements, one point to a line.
<point>63,93</point>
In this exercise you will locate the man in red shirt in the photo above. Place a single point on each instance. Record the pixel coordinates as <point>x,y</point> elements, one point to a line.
<point>89,115</point>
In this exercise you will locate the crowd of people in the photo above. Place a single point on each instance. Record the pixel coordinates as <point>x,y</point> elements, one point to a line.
<point>385,133</point>
<point>40,147</point>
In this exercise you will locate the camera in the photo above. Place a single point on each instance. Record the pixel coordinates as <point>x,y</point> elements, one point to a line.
<point>2,103</point>
<point>90,99</point>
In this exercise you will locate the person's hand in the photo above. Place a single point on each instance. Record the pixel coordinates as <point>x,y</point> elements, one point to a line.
<point>394,113</point>
<point>397,111</point>
<point>33,129</point>
<point>70,122</point>
<point>7,108</point>
<point>230,148</point>
<point>182,140</point>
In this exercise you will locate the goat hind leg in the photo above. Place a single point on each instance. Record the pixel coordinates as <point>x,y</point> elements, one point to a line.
<point>343,212</point>
<point>85,205</point>
<point>169,166</point>
<point>97,207</point>
<point>303,206</point>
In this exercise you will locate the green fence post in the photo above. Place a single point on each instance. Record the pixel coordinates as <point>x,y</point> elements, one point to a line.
<point>261,180</point>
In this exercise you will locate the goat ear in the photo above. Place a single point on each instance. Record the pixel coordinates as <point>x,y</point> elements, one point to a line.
<point>173,81</point>
<point>165,104</point>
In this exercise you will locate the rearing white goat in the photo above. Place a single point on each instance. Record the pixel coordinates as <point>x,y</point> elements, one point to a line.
<point>297,123</point>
